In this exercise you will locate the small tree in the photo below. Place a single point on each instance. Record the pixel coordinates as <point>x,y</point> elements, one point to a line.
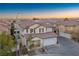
<point>23,50</point>
<point>66,19</point>
<point>30,42</point>
<point>35,18</point>
<point>12,28</point>
<point>6,44</point>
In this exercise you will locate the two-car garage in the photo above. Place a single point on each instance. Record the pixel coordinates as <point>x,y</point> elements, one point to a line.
<point>49,41</point>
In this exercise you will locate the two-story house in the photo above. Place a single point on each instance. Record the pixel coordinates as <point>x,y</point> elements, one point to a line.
<point>43,34</point>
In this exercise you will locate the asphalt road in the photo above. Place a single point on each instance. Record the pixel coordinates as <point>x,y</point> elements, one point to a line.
<point>66,47</point>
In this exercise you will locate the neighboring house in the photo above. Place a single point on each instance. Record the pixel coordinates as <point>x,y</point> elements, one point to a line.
<point>77,27</point>
<point>4,26</point>
<point>3,29</point>
<point>67,27</point>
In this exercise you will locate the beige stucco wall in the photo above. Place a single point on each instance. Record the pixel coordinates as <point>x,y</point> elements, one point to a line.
<point>77,28</point>
<point>49,30</point>
<point>61,28</point>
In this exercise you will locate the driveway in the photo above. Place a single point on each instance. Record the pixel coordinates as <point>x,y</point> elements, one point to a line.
<point>65,47</point>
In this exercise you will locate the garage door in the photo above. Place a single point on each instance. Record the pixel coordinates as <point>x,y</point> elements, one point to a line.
<point>66,35</point>
<point>49,41</point>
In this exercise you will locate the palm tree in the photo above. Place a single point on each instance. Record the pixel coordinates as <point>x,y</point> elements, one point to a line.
<point>6,43</point>
<point>30,45</point>
<point>30,42</point>
<point>12,29</point>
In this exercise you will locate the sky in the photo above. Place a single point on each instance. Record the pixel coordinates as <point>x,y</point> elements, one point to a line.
<point>39,10</point>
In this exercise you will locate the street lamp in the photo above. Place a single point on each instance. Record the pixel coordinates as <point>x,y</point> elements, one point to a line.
<point>57,35</point>
<point>57,32</point>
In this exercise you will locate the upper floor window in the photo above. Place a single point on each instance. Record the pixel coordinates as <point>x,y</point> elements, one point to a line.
<point>27,30</point>
<point>41,30</point>
<point>34,30</point>
<point>31,30</point>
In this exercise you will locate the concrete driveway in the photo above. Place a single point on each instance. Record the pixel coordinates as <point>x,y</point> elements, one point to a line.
<point>66,47</point>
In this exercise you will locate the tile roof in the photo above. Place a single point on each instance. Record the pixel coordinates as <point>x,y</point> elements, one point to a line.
<point>28,23</point>
<point>4,26</point>
<point>3,29</point>
<point>70,22</point>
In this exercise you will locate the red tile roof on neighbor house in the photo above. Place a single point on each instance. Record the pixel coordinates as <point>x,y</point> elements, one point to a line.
<point>5,22</point>
<point>42,35</point>
<point>70,22</point>
<point>3,29</point>
<point>4,26</point>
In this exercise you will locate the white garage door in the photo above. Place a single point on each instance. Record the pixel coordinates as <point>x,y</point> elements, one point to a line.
<point>49,41</point>
<point>67,35</point>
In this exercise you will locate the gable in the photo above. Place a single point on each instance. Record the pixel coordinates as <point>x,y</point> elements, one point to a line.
<point>34,26</point>
<point>41,27</point>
